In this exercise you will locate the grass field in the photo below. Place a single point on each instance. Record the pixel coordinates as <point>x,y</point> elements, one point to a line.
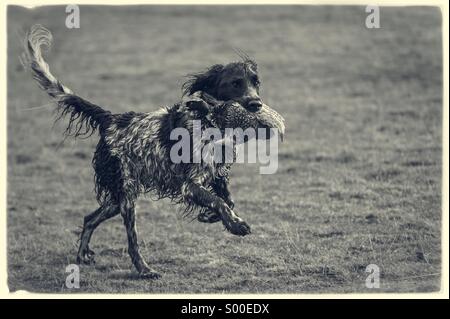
<point>359,177</point>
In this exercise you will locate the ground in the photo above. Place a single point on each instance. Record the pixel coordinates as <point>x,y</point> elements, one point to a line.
<point>359,173</point>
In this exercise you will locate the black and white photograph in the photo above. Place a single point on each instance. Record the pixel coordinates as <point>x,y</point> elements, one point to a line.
<point>218,149</point>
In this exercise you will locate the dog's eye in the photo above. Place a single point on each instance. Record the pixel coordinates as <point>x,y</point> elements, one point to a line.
<point>255,81</point>
<point>237,83</point>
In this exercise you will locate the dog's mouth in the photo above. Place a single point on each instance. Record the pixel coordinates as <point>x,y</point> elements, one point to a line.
<point>264,124</point>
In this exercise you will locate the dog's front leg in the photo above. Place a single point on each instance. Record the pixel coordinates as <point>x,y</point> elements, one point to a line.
<point>129,218</point>
<point>199,195</point>
<point>220,187</point>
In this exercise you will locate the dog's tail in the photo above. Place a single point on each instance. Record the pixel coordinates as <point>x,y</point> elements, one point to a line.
<point>85,117</point>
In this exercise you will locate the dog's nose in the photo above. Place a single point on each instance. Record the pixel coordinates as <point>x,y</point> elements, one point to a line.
<point>254,106</point>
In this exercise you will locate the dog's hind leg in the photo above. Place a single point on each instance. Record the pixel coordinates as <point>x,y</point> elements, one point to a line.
<point>128,212</point>
<point>91,221</point>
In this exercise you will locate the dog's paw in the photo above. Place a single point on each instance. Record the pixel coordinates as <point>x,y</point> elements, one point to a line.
<point>85,259</point>
<point>148,273</point>
<point>238,227</point>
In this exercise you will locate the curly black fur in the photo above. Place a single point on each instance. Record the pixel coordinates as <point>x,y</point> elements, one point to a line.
<point>84,117</point>
<point>133,153</point>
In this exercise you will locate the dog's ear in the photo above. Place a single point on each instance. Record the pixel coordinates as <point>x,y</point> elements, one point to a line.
<point>204,81</point>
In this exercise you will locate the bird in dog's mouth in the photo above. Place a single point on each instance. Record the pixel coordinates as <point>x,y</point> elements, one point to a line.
<point>265,121</point>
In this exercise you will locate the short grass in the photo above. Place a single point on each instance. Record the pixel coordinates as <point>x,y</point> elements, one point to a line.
<point>359,177</point>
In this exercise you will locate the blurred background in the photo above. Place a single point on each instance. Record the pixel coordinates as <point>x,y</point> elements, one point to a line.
<point>359,173</point>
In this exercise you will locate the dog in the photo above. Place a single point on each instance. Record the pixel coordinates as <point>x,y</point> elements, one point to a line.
<point>132,156</point>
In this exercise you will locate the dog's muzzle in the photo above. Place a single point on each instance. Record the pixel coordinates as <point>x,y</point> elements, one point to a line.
<point>254,105</point>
